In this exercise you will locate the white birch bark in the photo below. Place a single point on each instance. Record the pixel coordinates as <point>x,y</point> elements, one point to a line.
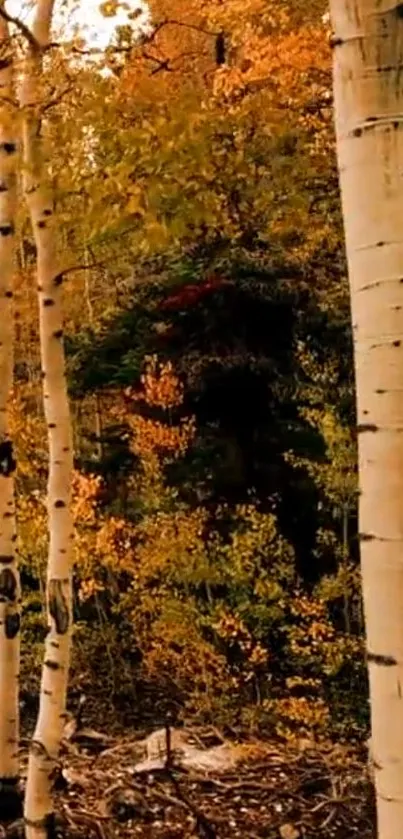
<point>10,594</point>
<point>368,90</point>
<point>44,750</point>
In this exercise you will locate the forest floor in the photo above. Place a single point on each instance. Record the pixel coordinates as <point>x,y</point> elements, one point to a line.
<point>271,790</point>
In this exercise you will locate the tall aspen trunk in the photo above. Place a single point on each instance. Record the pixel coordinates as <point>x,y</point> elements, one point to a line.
<point>10,594</point>
<point>45,745</point>
<point>368,90</point>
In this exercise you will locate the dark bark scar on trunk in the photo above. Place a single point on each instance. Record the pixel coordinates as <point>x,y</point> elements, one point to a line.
<point>58,607</point>
<point>381,660</point>
<point>8,586</point>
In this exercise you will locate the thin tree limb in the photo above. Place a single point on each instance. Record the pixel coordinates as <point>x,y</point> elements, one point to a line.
<point>24,29</point>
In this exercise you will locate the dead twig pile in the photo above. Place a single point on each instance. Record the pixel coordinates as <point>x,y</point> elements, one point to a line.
<point>277,792</point>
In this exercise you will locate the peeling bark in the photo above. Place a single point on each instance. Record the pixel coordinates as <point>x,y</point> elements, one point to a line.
<point>44,751</point>
<point>10,596</point>
<point>368,93</point>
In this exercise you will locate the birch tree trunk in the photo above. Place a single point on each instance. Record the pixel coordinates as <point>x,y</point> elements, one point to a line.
<point>10,595</point>
<point>368,91</point>
<point>44,750</point>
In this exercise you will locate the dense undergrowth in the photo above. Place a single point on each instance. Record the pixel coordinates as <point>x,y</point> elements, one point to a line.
<point>209,361</point>
<point>201,604</point>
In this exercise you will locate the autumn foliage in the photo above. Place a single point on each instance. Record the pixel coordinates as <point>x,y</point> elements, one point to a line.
<point>203,608</point>
<point>209,254</point>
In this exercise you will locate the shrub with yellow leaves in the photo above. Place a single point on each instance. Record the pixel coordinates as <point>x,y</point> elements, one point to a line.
<point>203,607</point>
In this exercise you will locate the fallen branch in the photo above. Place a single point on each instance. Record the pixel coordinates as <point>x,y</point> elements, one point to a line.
<point>204,827</point>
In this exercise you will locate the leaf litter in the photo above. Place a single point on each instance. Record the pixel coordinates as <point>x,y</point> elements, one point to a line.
<point>185,783</point>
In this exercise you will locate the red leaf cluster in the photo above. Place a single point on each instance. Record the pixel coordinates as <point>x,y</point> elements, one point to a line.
<point>193,293</point>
